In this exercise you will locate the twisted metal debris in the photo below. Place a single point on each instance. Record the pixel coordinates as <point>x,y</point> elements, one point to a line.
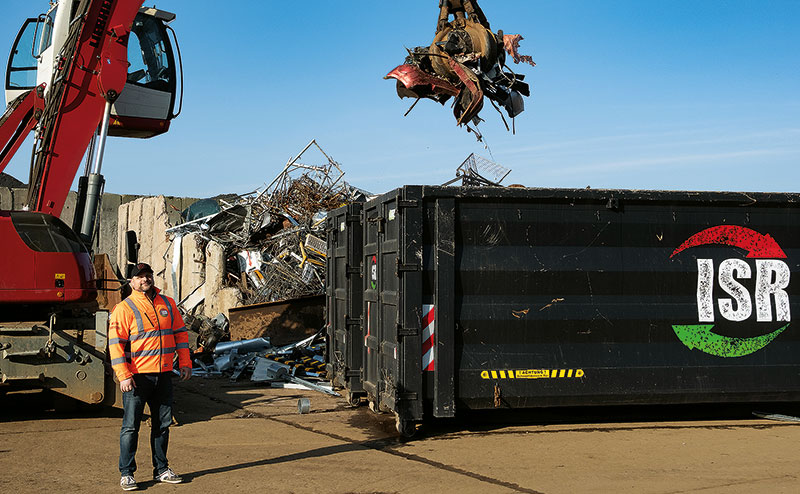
<point>467,62</point>
<point>274,237</point>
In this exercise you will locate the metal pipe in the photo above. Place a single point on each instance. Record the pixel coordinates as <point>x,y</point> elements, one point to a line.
<point>243,346</point>
<point>95,181</point>
<point>90,154</point>
<point>101,147</point>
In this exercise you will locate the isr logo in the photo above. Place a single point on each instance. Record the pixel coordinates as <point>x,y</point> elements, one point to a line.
<point>772,277</point>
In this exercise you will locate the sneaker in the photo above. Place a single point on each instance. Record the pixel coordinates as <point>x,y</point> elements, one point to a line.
<point>169,477</point>
<point>128,483</point>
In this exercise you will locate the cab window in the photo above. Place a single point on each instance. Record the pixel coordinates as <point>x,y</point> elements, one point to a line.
<point>148,55</point>
<point>22,64</point>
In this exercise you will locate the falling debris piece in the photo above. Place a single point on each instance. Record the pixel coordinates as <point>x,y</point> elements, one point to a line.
<point>465,61</point>
<point>511,45</point>
<point>477,171</point>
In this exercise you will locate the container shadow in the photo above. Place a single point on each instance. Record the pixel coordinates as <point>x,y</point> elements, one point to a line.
<point>611,418</point>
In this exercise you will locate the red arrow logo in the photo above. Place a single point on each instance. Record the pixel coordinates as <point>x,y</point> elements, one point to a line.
<point>756,244</point>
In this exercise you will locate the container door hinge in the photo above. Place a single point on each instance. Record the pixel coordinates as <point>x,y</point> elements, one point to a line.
<point>404,267</point>
<point>380,221</point>
<point>407,203</point>
<point>402,332</point>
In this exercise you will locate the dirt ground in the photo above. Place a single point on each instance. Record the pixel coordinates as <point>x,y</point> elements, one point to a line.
<point>237,437</point>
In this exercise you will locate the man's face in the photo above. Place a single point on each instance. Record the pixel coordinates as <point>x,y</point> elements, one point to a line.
<point>142,283</point>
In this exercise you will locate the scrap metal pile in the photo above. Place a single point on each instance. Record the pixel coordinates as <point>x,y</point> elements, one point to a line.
<point>466,61</point>
<point>274,238</point>
<point>301,363</point>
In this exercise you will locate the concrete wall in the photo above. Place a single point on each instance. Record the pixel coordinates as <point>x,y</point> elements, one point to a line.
<point>180,264</point>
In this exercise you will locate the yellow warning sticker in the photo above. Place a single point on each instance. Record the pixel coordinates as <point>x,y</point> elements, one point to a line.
<point>61,276</point>
<point>533,374</point>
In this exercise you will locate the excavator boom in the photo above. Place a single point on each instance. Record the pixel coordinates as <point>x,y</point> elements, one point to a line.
<point>91,73</point>
<point>42,260</point>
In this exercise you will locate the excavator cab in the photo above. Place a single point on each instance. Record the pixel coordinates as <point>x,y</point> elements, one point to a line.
<point>146,105</point>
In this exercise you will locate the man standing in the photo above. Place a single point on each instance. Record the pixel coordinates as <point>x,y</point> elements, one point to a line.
<point>145,331</point>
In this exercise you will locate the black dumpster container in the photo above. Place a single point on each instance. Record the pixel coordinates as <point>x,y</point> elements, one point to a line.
<point>481,298</point>
<point>344,299</point>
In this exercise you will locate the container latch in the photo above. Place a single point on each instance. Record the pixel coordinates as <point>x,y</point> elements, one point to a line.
<point>402,332</point>
<point>404,267</point>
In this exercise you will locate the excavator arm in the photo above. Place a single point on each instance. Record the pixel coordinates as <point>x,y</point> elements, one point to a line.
<point>90,75</point>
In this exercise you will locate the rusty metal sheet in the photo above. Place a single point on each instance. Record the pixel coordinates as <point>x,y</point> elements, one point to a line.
<point>108,293</point>
<point>283,322</point>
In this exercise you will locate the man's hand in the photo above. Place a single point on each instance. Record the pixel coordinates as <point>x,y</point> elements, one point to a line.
<point>127,385</point>
<point>186,373</point>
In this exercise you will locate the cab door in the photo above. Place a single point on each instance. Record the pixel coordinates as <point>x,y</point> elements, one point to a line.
<point>33,51</point>
<point>22,62</point>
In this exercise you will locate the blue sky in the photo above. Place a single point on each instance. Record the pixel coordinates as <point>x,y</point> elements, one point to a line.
<point>685,95</point>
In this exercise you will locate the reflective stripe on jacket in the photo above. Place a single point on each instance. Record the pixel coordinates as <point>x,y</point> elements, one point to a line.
<point>144,335</point>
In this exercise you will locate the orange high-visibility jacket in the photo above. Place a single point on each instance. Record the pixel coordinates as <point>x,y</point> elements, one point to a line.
<point>144,335</point>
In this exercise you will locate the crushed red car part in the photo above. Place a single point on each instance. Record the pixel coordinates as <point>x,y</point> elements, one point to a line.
<point>420,83</point>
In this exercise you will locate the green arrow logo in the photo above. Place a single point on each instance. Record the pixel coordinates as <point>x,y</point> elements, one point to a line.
<point>701,337</point>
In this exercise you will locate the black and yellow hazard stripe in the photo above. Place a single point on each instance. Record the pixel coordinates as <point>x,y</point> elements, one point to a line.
<point>533,374</point>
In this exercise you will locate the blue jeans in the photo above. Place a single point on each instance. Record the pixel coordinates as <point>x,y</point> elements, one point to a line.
<point>156,391</point>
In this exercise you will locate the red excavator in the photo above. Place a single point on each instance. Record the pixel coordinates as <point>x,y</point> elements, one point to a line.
<point>82,71</point>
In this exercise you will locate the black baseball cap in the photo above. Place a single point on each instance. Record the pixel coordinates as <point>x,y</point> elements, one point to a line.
<point>141,268</point>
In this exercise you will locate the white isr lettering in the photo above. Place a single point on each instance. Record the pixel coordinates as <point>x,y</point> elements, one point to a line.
<point>727,273</point>
<point>772,277</point>
<point>705,288</point>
